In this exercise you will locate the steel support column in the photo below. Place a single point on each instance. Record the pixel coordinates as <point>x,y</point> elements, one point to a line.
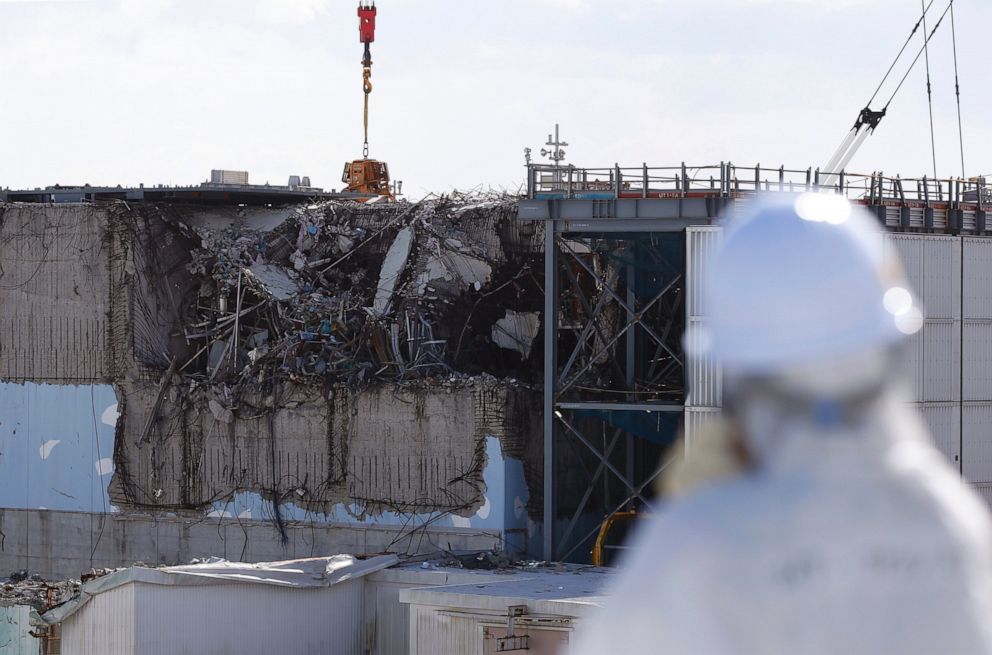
<point>550,375</point>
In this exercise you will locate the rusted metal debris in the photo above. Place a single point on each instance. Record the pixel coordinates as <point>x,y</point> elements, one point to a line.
<point>344,292</point>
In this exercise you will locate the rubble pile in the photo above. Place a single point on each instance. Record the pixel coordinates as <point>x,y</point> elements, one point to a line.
<point>22,588</point>
<point>351,293</point>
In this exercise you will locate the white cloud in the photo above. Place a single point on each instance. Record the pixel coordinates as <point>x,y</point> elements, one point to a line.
<point>290,12</point>
<point>567,5</point>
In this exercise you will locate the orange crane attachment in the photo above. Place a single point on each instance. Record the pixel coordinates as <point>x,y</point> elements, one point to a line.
<point>367,175</point>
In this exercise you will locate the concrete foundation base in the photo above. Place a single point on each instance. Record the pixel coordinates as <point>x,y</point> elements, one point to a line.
<point>58,544</point>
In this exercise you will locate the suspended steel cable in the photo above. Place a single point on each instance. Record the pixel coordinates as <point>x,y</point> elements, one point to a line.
<point>926,57</point>
<point>868,119</point>
<point>901,50</point>
<point>917,58</point>
<point>957,88</point>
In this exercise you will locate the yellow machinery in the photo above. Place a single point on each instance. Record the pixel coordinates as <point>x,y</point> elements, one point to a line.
<point>367,175</point>
<point>598,554</point>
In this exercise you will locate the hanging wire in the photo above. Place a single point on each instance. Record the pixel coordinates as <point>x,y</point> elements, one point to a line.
<point>917,58</point>
<point>926,57</point>
<point>957,88</point>
<point>901,50</point>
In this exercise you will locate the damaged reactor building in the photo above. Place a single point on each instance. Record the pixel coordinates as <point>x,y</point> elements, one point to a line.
<point>266,382</point>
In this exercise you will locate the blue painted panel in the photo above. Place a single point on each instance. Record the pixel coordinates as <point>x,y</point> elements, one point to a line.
<point>56,446</point>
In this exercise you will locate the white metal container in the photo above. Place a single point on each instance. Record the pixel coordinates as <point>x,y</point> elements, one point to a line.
<point>314,605</point>
<point>388,620</point>
<point>467,619</point>
<point>142,618</point>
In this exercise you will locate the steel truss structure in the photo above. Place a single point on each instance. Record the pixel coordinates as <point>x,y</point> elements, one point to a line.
<point>615,316</point>
<point>614,312</point>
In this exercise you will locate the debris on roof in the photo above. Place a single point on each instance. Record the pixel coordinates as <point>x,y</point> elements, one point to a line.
<point>352,292</point>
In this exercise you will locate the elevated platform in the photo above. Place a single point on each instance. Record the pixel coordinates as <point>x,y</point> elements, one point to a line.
<point>624,199</point>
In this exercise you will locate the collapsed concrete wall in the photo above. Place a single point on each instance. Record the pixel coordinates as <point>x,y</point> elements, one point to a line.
<point>404,449</point>
<point>334,357</point>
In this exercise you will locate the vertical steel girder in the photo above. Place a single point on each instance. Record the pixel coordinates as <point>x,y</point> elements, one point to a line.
<point>550,374</point>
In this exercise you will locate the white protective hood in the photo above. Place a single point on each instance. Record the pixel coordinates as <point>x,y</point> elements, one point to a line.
<point>860,542</point>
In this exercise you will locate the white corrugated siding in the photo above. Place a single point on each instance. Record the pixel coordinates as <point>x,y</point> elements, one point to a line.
<point>697,420</point>
<point>985,491</point>
<point>942,277</point>
<point>222,618</point>
<point>977,338</point>
<point>105,625</point>
<point>704,378</point>
<point>388,619</point>
<point>933,269</point>
<point>943,420</point>
<point>977,361</point>
<point>977,277</point>
<point>976,436</point>
<point>435,630</point>
<point>950,359</point>
<point>909,249</point>
<point>941,360</point>
<point>913,364</point>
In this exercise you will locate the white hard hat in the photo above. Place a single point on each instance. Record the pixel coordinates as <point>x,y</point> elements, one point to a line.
<point>801,279</point>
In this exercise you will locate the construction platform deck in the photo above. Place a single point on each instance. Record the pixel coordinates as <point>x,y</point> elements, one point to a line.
<point>634,198</point>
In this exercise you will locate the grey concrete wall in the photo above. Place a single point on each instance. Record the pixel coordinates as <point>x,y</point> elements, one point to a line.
<point>54,270</point>
<point>399,448</point>
<point>64,544</point>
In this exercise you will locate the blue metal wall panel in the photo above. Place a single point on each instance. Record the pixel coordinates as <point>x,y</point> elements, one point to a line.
<point>56,446</point>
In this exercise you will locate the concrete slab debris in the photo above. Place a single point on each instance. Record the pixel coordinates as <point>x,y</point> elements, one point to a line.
<point>517,331</point>
<point>392,269</point>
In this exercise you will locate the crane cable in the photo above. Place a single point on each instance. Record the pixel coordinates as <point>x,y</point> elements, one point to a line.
<point>926,56</point>
<point>917,58</point>
<point>901,50</point>
<point>367,87</point>
<point>957,88</point>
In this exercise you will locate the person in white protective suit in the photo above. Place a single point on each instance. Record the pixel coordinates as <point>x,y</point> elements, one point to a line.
<point>845,530</point>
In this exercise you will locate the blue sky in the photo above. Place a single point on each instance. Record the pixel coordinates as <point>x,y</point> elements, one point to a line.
<point>161,91</point>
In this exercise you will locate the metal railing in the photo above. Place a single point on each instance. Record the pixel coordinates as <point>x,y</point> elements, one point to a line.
<point>728,180</point>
